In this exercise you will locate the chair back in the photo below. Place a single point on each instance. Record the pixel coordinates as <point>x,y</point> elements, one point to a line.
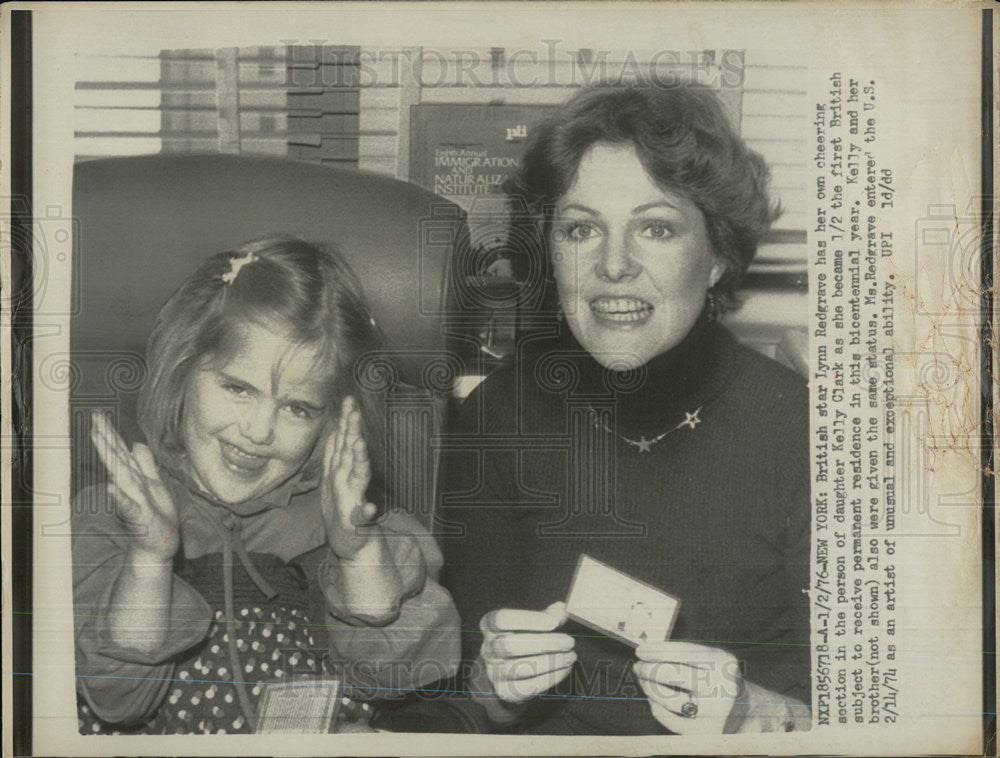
<point>145,223</point>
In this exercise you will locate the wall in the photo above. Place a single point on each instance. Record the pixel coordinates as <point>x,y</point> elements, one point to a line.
<point>351,106</point>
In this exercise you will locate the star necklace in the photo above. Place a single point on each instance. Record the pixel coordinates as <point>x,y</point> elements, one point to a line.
<point>691,420</point>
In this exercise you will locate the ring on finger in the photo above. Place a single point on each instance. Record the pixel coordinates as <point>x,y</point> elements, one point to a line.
<point>690,709</point>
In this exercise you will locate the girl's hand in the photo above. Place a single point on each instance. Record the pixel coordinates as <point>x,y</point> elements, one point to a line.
<point>145,507</point>
<point>691,688</point>
<point>346,474</point>
<point>523,653</point>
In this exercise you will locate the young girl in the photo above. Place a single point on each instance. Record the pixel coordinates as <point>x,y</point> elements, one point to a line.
<point>237,549</point>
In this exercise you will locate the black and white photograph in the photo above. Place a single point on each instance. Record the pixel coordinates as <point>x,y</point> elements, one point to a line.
<point>447,380</point>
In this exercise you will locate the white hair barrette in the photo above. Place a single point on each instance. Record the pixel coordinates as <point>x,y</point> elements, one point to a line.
<point>235,264</point>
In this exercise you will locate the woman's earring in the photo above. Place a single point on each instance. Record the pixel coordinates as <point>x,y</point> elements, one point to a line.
<point>711,306</point>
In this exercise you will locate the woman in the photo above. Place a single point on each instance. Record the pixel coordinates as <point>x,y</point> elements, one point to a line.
<point>637,431</point>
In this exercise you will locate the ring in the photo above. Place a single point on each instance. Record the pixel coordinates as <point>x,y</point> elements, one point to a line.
<point>690,709</point>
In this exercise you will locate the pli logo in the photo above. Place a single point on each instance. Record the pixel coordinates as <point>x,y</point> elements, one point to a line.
<point>517,133</point>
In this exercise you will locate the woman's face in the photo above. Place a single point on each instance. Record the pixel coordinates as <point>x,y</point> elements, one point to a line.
<point>252,423</point>
<point>632,262</point>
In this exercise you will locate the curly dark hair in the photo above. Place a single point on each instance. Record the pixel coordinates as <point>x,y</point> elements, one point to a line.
<point>687,145</point>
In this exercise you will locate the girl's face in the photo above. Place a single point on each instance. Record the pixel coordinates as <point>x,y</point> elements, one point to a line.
<point>252,423</point>
<point>632,262</point>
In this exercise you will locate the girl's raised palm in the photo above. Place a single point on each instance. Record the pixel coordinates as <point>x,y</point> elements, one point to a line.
<point>145,507</point>
<point>346,475</point>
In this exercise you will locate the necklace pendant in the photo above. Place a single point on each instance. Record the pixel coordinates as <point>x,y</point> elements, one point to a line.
<point>691,419</point>
<point>644,445</point>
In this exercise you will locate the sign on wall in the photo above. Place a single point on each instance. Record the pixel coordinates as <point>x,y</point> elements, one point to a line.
<point>467,151</point>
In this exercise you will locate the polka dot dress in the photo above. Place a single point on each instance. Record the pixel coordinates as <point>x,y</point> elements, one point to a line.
<point>275,645</point>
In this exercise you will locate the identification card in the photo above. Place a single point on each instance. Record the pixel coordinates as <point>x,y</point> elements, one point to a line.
<point>612,602</point>
<point>305,706</point>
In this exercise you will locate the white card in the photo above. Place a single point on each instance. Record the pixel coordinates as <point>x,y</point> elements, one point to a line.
<point>612,602</point>
<point>305,706</point>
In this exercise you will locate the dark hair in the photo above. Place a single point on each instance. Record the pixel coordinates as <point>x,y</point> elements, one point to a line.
<point>278,282</point>
<point>686,144</point>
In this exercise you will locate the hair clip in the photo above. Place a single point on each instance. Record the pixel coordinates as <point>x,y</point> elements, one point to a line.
<point>235,264</point>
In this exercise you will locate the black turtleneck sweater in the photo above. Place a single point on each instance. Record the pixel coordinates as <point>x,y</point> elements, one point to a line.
<point>717,515</point>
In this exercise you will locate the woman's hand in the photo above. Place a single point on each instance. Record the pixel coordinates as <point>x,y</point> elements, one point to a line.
<point>145,507</point>
<point>346,474</point>
<point>523,654</point>
<point>691,688</point>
